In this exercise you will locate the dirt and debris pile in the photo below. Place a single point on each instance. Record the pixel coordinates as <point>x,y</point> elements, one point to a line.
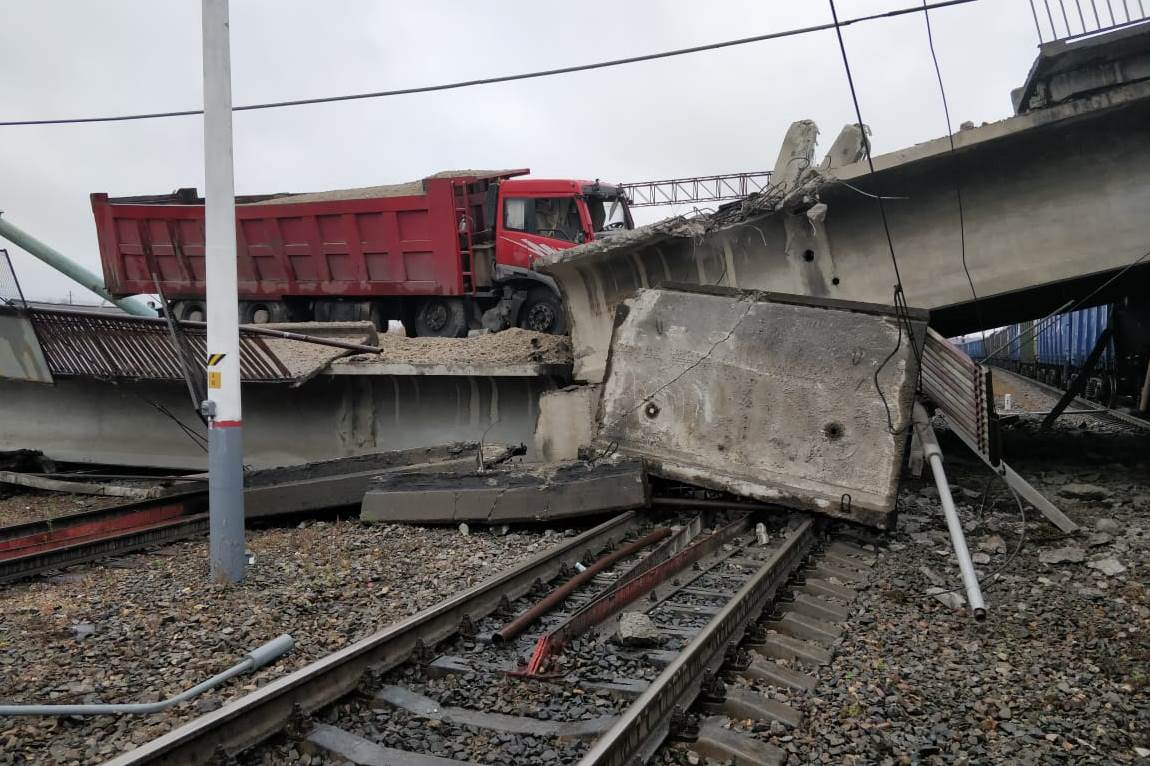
<point>513,346</point>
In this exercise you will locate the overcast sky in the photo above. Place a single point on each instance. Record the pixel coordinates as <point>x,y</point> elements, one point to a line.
<point>715,112</point>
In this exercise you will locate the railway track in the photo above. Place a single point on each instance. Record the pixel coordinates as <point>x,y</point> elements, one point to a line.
<point>466,682</point>
<point>1083,407</point>
<point>50,544</point>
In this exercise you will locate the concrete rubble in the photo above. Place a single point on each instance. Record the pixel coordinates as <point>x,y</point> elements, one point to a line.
<point>1063,556</point>
<point>508,493</point>
<point>637,629</point>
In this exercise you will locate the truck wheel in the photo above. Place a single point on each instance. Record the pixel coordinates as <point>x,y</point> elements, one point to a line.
<point>262,312</point>
<point>191,311</point>
<point>441,318</point>
<point>543,312</point>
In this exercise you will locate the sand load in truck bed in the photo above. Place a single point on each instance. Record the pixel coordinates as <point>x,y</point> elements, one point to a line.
<point>491,350</point>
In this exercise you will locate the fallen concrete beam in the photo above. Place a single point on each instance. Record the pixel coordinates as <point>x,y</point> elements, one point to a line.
<point>767,399</point>
<point>505,494</point>
<point>83,487</point>
<point>343,482</point>
<point>1034,233</point>
<point>133,423</point>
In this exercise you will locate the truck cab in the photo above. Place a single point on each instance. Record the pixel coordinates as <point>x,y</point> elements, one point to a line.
<point>526,219</point>
<point>537,217</point>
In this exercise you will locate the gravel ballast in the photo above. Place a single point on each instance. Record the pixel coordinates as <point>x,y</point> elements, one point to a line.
<point>1058,673</point>
<point>150,627</point>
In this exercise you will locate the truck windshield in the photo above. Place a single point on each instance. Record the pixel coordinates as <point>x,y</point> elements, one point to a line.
<point>608,213</point>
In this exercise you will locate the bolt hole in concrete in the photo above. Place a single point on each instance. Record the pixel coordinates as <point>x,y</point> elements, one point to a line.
<point>833,431</point>
<point>651,410</point>
<point>835,281</point>
<point>808,255</point>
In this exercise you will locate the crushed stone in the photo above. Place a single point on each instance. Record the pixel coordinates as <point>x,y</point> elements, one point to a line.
<point>153,625</point>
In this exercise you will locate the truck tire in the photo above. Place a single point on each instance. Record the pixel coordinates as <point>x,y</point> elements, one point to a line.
<point>441,318</point>
<point>192,311</point>
<point>543,311</point>
<point>262,312</point>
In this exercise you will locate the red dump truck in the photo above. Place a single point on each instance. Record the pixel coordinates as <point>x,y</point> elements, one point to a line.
<point>443,255</point>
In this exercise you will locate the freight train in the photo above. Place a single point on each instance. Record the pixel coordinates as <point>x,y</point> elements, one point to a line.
<point>1057,349</point>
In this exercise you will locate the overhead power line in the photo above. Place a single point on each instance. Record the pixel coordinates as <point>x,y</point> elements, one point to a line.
<point>501,79</point>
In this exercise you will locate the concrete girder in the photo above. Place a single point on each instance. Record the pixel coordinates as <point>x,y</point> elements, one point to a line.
<point>1053,200</point>
<point>121,423</point>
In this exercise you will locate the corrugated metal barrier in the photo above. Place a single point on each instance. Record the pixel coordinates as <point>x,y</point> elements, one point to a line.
<point>110,346</point>
<point>962,390</point>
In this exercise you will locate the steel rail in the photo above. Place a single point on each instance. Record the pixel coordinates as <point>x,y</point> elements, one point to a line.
<point>646,723</point>
<point>627,589</point>
<point>254,717</point>
<point>111,544</point>
<point>1092,409</point>
<point>48,544</point>
<point>562,592</point>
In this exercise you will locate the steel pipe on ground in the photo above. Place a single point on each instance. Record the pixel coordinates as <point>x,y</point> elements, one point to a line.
<point>254,660</point>
<point>933,454</point>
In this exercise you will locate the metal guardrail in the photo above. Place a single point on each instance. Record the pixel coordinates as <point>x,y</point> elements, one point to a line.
<point>962,390</point>
<point>683,191</point>
<point>10,292</point>
<point>109,346</point>
<point>1070,19</point>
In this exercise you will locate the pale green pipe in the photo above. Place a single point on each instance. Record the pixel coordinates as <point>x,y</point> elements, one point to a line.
<point>70,268</point>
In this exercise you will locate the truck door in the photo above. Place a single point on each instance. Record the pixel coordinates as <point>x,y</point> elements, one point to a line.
<point>532,227</point>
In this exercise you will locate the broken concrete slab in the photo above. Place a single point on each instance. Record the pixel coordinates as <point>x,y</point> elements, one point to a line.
<point>769,397</point>
<point>950,598</point>
<point>566,422</point>
<point>508,493</point>
<point>637,629</point>
<point>795,155</point>
<point>1109,526</point>
<point>1084,492</point>
<point>992,544</point>
<point>1108,566</point>
<point>343,481</point>
<point>1062,556</point>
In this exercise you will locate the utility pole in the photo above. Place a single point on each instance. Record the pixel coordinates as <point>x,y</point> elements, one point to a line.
<point>225,422</point>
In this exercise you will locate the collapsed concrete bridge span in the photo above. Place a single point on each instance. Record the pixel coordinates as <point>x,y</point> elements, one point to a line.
<point>1054,200</point>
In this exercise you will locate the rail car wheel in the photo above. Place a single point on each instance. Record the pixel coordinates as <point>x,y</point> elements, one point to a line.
<point>441,318</point>
<point>191,311</point>
<point>543,312</point>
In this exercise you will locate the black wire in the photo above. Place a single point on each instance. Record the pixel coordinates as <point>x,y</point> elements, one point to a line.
<point>493,80</point>
<point>957,185</point>
<point>197,439</point>
<point>899,301</point>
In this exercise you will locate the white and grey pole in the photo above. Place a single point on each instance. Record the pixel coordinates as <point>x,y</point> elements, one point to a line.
<point>225,421</point>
